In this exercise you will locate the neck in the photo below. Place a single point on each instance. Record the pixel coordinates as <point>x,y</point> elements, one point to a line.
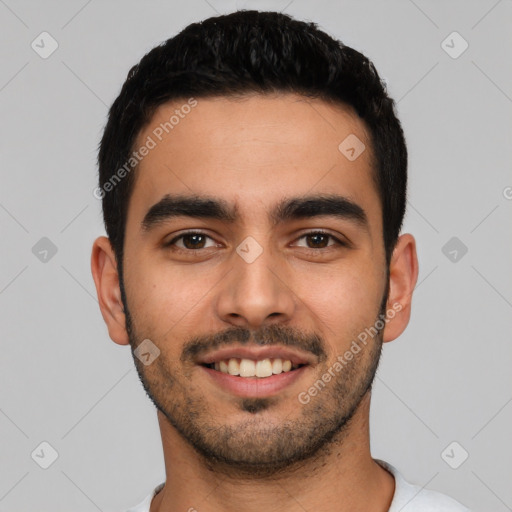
<point>342,478</point>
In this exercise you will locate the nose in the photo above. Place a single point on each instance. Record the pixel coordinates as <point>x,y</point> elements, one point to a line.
<point>256,291</point>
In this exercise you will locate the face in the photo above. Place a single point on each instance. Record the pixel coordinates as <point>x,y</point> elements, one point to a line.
<point>272,257</point>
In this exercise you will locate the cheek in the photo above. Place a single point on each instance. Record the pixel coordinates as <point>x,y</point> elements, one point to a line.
<point>164,298</point>
<point>344,301</point>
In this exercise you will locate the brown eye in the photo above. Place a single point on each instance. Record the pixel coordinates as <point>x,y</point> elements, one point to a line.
<point>190,241</point>
<point>320,240</point>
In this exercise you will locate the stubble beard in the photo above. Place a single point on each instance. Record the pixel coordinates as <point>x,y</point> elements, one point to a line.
<point>257,447</point>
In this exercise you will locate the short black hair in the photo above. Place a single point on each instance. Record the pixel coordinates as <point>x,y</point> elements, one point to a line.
<point>247,52</point>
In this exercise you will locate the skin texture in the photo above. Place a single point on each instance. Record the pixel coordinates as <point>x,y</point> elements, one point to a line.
<point>274,453</point>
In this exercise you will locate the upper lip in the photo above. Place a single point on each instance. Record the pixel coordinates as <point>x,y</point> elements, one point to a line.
<point>257,353</point>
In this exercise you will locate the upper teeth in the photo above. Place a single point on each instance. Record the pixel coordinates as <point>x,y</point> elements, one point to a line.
<point>250,368</point>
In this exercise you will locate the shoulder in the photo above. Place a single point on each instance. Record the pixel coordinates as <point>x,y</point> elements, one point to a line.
<point>413,498</point>
<point>145,505</point>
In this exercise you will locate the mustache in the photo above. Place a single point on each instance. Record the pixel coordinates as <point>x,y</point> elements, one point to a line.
<point>268,335</point>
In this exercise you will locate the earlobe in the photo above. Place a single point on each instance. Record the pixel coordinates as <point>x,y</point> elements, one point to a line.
<point>106,279</point>
<point>403,274</point>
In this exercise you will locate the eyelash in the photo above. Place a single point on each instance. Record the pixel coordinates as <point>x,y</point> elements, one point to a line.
<point>310,233</point>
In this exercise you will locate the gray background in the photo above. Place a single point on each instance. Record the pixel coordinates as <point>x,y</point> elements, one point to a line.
<point>63,381</point>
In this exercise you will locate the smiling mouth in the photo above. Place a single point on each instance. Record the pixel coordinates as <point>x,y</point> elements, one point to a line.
<point>247,368</point>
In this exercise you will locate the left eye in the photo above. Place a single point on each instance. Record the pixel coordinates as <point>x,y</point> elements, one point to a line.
<point>319,238</point>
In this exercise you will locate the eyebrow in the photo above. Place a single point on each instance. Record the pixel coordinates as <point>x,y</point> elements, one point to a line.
<point>295,208</point>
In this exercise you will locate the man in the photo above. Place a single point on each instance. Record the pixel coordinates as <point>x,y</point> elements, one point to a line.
<point>253,177</point>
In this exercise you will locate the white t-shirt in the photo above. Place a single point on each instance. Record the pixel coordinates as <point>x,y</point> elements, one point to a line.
<point>407,497</point>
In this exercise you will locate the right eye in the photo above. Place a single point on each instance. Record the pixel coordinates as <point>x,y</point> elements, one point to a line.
<point>191,241</point>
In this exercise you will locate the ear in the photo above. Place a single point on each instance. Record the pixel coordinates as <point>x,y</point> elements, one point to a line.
<point>106,278</point>
<point>403,274</point>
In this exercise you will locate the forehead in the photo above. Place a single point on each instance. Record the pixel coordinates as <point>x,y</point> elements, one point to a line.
<point>252,151</point>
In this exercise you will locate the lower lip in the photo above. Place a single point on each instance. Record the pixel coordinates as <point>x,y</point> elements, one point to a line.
<point>254,387</point>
